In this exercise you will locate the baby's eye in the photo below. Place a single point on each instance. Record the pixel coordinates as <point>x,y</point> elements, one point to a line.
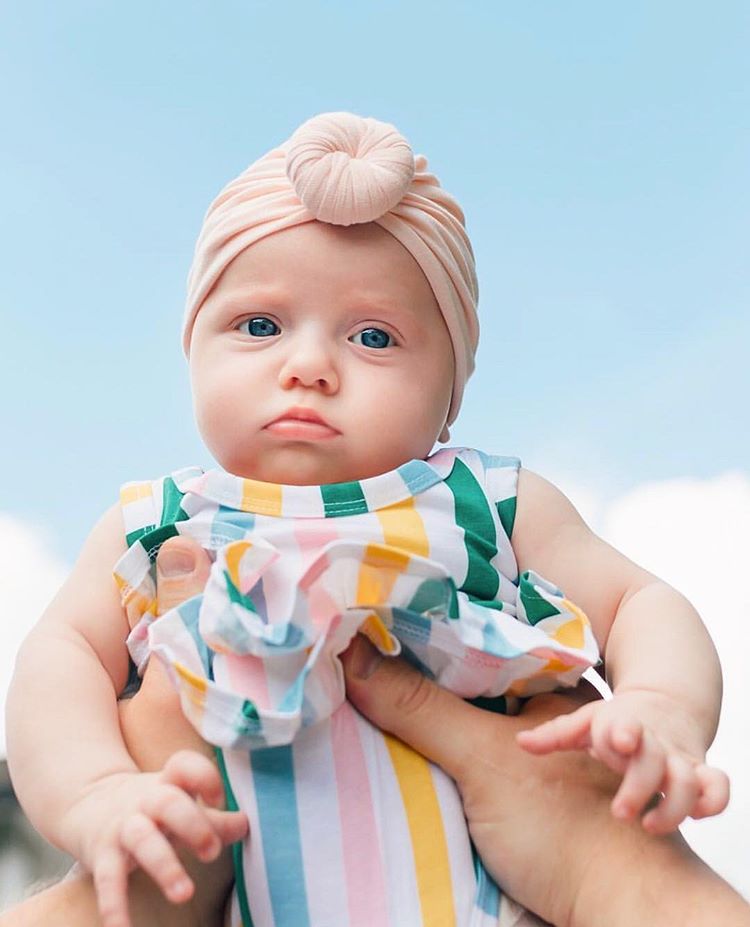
<point>373,338</point>
<point>259,327</point>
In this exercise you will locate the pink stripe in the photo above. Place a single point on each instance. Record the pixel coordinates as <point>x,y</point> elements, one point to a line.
<point>363,864</point>
<point>312,536</point>
<point>247,677</point>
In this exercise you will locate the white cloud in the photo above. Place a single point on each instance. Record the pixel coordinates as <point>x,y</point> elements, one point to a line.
<point>695,534</point>
<point>30,574</point>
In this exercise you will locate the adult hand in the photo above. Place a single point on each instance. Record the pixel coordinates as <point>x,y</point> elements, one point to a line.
<point>542,825</point>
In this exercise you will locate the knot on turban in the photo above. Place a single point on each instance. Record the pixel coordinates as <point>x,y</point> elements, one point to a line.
<point>346,169</point>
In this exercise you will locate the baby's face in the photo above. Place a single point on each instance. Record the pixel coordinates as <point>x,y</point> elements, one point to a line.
<point>321,356</point>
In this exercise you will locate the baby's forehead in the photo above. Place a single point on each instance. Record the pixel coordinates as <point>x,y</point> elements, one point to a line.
<point>365,264</point>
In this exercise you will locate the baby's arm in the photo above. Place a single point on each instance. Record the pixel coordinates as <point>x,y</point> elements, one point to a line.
<point>70,767</point>
<point>659,660</point>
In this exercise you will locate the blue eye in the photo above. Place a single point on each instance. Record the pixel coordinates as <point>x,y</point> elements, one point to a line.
<point>373,338</point>
<point>259,327</point>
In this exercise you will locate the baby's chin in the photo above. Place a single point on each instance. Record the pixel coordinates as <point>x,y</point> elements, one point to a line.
<point>300,464</point>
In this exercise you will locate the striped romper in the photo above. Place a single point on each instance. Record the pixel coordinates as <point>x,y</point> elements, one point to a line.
<point>348,827</point>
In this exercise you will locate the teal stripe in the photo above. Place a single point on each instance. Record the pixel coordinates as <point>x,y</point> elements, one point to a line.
<point>239,869</point>
<point>273,780</point>
<point>487,897</point>
<point>343,499</point>
<point>418,476</point>
<point>473,514</point>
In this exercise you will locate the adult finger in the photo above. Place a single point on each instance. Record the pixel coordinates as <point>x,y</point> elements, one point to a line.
<point>398,699</point>
<point>182,568</point>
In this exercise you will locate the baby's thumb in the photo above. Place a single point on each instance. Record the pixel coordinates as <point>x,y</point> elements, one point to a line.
<point>400,700</point>
<point>182,568</point>
<point>229,826</point>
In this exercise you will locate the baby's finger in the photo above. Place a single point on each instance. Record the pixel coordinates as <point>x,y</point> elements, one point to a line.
<point>229,826</point>
<point>155,855</point>
<point>714,791</point>
<point>195,774</point>
<point>681,789</point>
<point>625,735</point>
<point>643,778</point>
<point>110,874</point>
<point>178,814</point>
<point>566,732</point>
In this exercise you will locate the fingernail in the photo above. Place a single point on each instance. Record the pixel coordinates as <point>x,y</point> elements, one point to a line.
<point>174,561</point>
<point>363,658</point>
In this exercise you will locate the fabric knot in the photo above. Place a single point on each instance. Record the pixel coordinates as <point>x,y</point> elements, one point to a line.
<point>347,169</point>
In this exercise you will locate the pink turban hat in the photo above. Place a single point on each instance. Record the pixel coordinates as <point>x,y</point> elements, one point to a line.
<point>344,169</point>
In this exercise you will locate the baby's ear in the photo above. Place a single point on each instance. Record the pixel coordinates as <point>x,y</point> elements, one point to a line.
<point>445,435</point>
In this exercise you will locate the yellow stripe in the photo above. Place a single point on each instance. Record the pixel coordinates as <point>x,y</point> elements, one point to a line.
<point>403,527</point>
<point>427,835</point>
<point>378,571</point>
<point>374,629</point>
<point>234,554</point>
<point>134,492</point>
<point>264,498</point>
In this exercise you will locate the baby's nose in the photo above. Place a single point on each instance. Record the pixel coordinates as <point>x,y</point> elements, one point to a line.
<point>310,363</point>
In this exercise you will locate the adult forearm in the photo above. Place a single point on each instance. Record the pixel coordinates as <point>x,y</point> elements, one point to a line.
<point>61,706</point>
<point>658,643</point>
<point>666,884</point>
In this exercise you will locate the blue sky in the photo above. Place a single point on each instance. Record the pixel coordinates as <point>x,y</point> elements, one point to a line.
<point>601,153</point>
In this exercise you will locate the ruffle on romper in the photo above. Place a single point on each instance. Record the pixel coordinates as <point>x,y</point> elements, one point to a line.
<point>245,682</point>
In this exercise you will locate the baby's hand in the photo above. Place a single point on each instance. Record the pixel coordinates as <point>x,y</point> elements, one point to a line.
<point>133,819</point>
<point>644,737</point>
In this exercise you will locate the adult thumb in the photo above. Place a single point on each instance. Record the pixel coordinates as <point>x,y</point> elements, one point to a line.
<point>182,568</point>
<point>397,698</point>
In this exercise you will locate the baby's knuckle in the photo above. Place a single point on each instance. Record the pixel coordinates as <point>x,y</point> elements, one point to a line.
<point>135,828</point>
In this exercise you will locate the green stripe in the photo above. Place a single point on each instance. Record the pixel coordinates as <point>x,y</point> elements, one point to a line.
<point>137,534</point>
<point>343,499</point>
<point>171,510</point>
<point>535,605</point>
<point>239,872</point>
<point>473,514</point>
<point>506,509</point>
<point>153,538</point>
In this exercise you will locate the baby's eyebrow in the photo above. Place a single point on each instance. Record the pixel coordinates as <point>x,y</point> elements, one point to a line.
<point>270,296</point>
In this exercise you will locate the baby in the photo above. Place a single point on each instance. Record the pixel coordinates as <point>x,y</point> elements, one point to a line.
<point>331,327</point>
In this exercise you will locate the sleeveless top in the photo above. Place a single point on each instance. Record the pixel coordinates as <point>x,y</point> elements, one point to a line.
<point>348,827</point>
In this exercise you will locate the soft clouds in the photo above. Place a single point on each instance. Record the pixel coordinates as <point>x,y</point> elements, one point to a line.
<point>30,574</point>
